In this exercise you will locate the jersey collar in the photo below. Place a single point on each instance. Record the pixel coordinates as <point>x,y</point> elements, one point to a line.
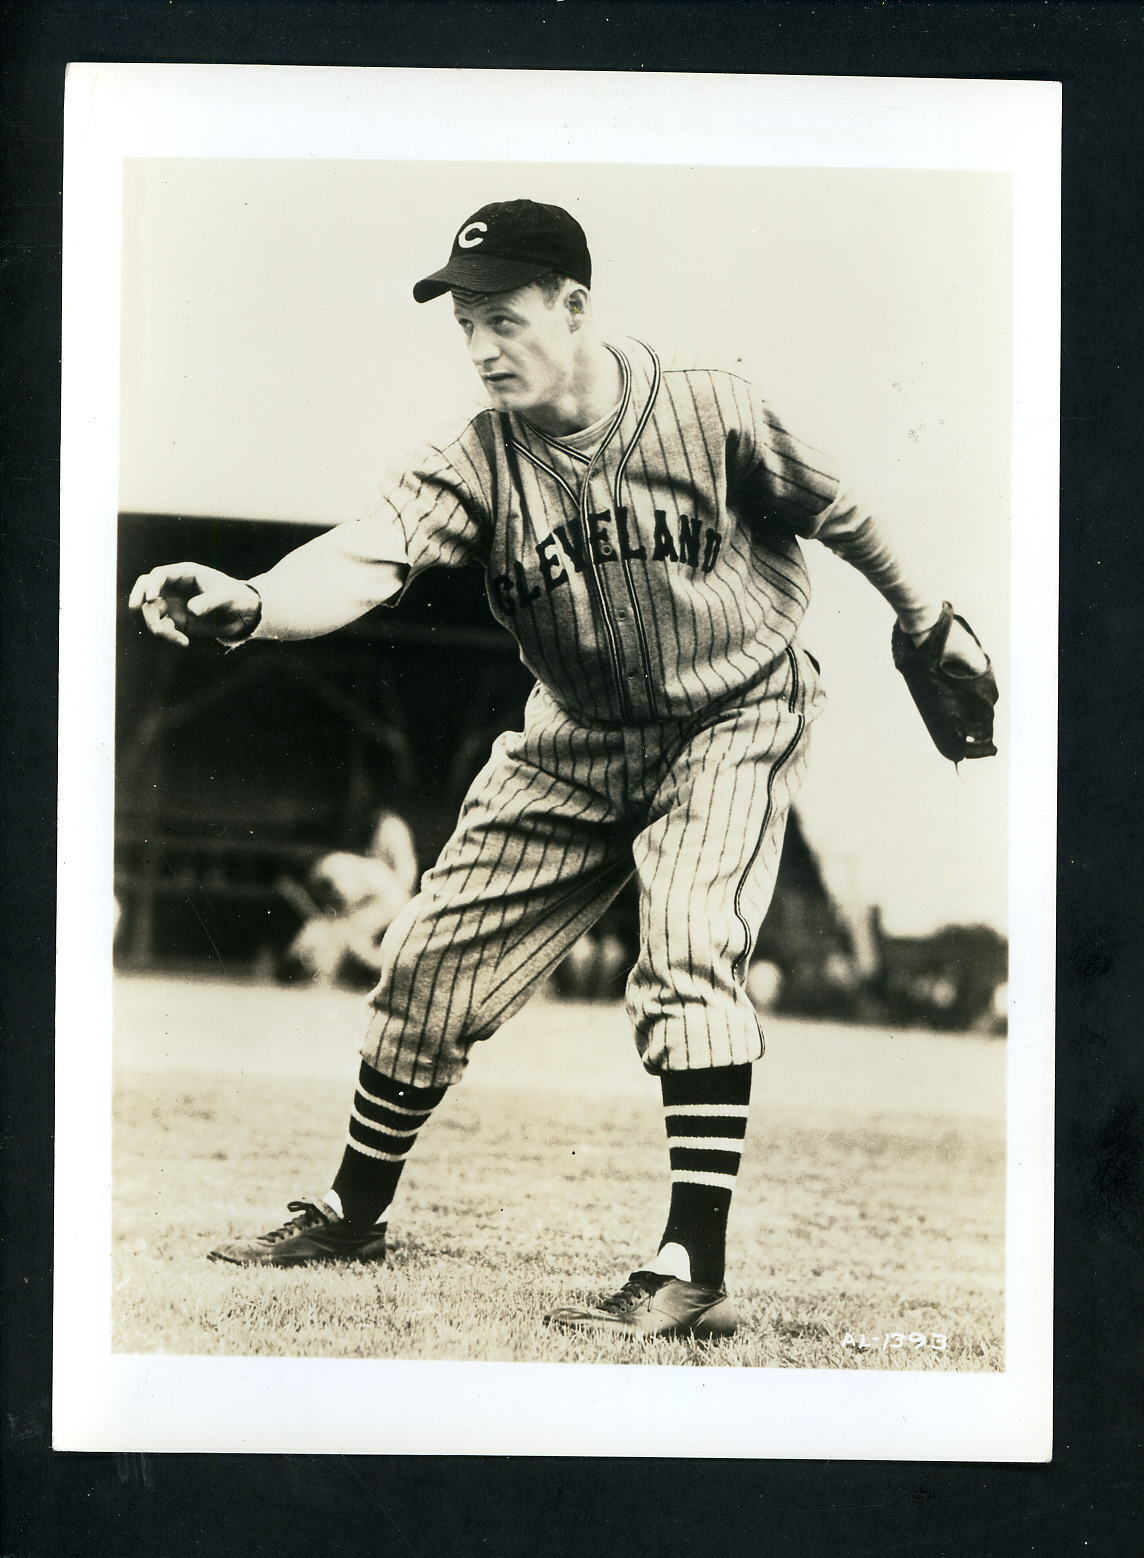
<point>641,375</point>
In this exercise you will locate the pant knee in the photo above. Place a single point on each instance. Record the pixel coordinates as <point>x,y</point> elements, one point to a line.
<point>692,1021</point>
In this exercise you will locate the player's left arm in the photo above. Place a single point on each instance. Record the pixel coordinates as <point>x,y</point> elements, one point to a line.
<point>797,487</point>
<point>854,534</point>
<point>947,671</point>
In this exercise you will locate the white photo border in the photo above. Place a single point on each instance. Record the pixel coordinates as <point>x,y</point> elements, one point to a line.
<point>108,1402</point>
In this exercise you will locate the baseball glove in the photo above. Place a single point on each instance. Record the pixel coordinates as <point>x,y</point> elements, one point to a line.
<point>957,707</point>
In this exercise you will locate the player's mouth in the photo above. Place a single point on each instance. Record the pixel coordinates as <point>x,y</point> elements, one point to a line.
<point>497,379</point>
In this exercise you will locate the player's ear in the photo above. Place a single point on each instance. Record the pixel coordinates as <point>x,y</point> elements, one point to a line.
<point>577,304</point>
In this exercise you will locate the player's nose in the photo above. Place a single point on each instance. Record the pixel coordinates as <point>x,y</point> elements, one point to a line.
<point>483,346</point>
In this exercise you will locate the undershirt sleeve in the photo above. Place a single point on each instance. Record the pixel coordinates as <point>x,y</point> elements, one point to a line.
<point>794,485</point>
<point>853,534</point>
<point>331,580</point>
<point>775,476</point>
<point>427,516</point>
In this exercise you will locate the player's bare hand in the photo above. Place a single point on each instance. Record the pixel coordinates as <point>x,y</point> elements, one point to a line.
<point>181,601</point>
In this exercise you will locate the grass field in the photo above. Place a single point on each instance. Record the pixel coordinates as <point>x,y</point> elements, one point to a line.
<point>870,1201</point>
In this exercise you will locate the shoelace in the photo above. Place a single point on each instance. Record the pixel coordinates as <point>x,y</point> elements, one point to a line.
<point>640,1285</point>
<point>309,1217</point>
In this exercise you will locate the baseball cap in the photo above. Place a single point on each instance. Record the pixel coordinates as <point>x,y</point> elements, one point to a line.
<point>507,244</point>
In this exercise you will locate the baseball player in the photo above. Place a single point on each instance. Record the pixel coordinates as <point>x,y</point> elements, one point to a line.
<point>639,529</point>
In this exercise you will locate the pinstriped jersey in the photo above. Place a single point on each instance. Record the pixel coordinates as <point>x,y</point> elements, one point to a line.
<point>645,576</point>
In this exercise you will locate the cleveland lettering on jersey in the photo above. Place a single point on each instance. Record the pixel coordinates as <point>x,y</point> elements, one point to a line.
<point>607,537</point>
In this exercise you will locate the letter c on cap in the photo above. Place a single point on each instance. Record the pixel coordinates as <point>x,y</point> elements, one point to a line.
<point>469,237</point>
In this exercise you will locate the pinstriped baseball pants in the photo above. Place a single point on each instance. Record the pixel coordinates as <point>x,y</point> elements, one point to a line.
<point>554,824</point>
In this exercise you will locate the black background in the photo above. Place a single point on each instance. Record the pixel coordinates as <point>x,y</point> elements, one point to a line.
<point>1088,1500</point>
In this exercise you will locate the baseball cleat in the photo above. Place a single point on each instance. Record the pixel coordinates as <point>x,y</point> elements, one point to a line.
<point>316,1234</point>
<point>652,1305</point>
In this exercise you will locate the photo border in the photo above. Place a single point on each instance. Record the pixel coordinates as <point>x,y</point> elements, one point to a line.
<point>116,111</point>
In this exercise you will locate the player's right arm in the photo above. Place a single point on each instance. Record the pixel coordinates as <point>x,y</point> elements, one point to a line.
<point>315,589</point>
<point>181,601</point>
<point>429,515</point>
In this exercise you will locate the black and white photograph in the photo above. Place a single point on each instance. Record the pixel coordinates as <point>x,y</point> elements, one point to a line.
<point>556,824</point>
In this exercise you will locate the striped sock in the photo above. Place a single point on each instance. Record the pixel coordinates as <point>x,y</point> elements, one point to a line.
<point>386,1118</point>
<point>706,1117</point>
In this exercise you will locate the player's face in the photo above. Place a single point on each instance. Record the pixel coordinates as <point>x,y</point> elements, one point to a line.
<point>523,346</point>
